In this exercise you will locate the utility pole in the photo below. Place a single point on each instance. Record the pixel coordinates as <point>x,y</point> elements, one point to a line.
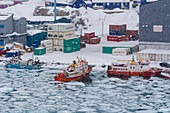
<point>54,11</point>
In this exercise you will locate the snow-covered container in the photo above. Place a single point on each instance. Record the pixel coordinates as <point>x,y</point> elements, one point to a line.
<point>61,27</point>
<point>154,55</point>
<point>49,49</point>
<point>121,51</point>
<point>46,43</point>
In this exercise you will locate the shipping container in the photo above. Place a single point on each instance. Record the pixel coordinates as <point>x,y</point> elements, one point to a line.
<point>72,41</point>
<point>61,27</point>
<point>58,48</point>
<point>114,38</point>
<point>46,43</point>
<point>108,50</point>
<point>73,48</point>
<point>40,51</point>
<point>115,32</point>
<point>49,49</point>
<point>95,40</point>
<point>121,51</point>
<point>89,35</point>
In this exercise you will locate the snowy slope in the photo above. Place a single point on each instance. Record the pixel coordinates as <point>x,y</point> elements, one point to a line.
<point>26,10</point>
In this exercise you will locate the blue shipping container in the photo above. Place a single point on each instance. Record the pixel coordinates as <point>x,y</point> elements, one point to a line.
<point>115,32</point>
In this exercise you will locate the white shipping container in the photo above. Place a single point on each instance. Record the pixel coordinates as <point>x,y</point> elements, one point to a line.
<point>52,27</point>
<point>49,49</point>
<point>58,48</point>
<point>120,51</point>
<point>70,34</point>
<point>46,43</point>
<point>66,27</point>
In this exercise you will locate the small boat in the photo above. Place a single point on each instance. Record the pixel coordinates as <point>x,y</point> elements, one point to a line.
<point>18,63</point>
<point>132,68</point>
<point>76,71</point>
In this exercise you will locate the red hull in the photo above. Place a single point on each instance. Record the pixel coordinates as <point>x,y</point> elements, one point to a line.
<point>148,73</point>
<point>65,79</point>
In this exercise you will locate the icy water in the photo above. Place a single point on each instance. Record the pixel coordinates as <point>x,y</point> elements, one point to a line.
<point>29,91</point>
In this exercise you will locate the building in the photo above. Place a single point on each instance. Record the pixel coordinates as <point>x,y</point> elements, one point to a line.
<point>111,4</point>
<point>154,25</point>
<point>64,3</point>
<point>12,30</point>
<point>105,4</point>
<point>7,3</point>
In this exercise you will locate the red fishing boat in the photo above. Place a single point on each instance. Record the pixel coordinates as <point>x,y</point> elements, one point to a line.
<point>76,71</point>
<point>132,68</point>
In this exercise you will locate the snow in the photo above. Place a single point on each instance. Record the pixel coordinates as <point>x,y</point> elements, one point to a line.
<point>28,11</point>
<point>103,1</point>
<point>6,2</point>
<point>33,32</point>
<point>155,51</point>
<point>4,16</point>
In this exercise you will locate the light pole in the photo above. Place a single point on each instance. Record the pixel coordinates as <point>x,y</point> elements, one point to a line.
<point>54,11</point>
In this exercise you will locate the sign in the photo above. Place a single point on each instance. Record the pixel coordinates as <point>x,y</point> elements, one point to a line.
<point>157,28</point>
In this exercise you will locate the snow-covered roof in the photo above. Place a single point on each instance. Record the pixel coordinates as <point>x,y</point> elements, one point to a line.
<point>108,1</point>
<point>6,2</point>
<point>4,16</point>
<point>155,51</point>
<point>120,44</point>
<point>88,2</point>
<point>33,32</point>
<point>58,1</point>
<point>151,0</point>
<point>62,24</point>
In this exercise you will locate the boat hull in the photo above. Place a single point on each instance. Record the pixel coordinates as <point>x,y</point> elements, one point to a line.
<point>148,73</point>
<point>79,77</point>
<point>22,66</point>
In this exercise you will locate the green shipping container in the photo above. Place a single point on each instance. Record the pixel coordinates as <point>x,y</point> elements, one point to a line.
<point>73,48</point>
<point>108,50</point>
<point>71,42</point>
<point>40,51</point>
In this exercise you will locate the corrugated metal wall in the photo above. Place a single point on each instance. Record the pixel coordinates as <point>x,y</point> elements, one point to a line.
<point>151,14</point>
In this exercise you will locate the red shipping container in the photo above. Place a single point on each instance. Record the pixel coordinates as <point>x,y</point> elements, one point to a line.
<point>89,35</point>
<point>114,38</point>
<point>131,32</point>
<point>117,27</point>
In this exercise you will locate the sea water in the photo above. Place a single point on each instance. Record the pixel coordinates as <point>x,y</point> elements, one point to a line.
<point>36,92</point>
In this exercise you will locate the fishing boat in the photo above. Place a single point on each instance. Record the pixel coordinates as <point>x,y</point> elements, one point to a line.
<point>18,63</point>
<point>133,68</point>
<point>76,71</point>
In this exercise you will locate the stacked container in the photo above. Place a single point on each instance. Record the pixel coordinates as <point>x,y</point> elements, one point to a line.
<point>63,37</point>
<point>48,45</point>
<point>131,34</point>
<point>71,45</point>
